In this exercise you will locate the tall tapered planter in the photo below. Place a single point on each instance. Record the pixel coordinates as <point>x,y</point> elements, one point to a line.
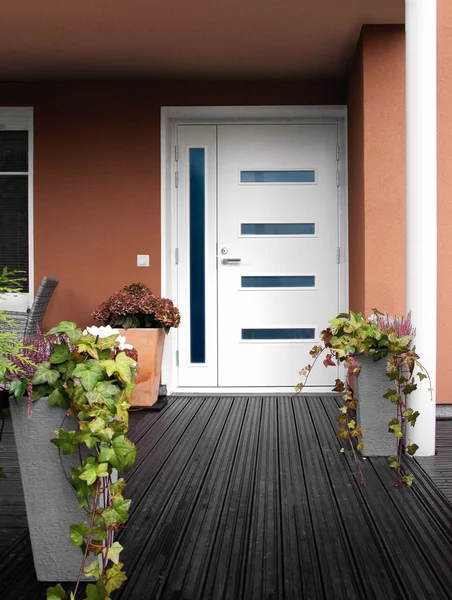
<point>149,344</point>
<point>374,412</point>
<point>50,501</point>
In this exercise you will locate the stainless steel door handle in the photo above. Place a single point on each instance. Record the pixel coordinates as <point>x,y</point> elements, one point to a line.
<point>227,261</point>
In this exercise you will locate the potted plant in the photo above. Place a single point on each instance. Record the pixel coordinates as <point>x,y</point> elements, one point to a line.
<point>381,369</point>
<point>79,388</point>
<point>144,318</point>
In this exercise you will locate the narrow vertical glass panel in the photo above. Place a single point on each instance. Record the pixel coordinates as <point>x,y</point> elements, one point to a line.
<point>14,224</point>
<point>302,176</point>
<point>278,229</point>
<point>272,281</point>
<point>13,151</point>
<point>197,256</point>
<point>278,334</point>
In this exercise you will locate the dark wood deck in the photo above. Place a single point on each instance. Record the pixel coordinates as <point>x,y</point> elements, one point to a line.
<point>249,499</point>
<point>439,467</point>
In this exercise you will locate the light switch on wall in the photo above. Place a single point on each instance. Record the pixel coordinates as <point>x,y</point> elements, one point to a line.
<point>142,260</point>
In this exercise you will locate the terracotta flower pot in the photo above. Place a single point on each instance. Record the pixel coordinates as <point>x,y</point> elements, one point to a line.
<point>149,344</point>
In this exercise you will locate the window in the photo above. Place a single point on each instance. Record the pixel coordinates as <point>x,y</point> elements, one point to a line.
<point>15,198</point>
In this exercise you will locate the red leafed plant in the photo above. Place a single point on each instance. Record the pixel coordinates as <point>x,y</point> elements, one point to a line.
<point>136,306</point>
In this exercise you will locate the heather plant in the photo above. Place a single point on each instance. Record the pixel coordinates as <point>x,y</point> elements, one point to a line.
<point>136,306</point>
<point>383,338</point>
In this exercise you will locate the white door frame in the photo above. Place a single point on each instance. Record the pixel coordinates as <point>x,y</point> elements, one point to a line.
<point>215,115</point>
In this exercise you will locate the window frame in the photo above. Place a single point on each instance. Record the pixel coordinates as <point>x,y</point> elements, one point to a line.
<point>21,119</point>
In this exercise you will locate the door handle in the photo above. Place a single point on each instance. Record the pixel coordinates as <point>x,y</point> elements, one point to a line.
<point>227,261</point>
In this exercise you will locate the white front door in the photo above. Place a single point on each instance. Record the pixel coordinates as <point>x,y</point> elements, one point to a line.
<point>258,274</point>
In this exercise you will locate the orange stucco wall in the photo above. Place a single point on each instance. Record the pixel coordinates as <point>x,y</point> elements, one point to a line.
<point>97,175</point>
<point>376,102</point>
<point>376,113</point>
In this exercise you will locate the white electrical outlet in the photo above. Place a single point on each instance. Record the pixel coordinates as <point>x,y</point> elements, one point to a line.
<point>142,260</point>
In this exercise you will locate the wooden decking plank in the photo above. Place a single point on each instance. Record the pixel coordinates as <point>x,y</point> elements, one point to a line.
<point>382,497</point>
<point>262,571</point>
<point>439,467</point>
<point>301,562</point>
<point>429,541</point>
<point>229,551</point>
<point>189,567</point>
<point>378,578</point>
<point>164,434</point>
<point>249,499</point>
<point>173,503</point>
<point>332,543</point>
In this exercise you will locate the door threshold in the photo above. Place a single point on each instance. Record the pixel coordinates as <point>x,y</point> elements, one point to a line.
<point>251,391</point>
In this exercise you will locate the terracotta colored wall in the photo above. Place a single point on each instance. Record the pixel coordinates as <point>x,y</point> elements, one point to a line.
<point>356,204</point>
<point>97,175</point>
<point>377,171</point>
<point>444,199</point>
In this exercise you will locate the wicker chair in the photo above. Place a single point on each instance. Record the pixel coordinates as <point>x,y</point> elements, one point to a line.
<point>27,322</point>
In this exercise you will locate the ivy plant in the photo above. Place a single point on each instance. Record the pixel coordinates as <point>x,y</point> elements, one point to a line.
<point>91,374</point>
<point>383,338</point>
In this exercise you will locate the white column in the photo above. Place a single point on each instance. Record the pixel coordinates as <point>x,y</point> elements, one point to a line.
<point>421,213</point>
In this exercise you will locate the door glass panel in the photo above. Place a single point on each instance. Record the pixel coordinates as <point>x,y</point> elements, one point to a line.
<point>197,256</point>
<point>14,225</point>
<point>272,281</point>
<point>277,229</point>
<point>278,334</point>
<point>302,176</point>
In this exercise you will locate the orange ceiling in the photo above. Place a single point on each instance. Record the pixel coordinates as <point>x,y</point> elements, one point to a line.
<point>73,39</point>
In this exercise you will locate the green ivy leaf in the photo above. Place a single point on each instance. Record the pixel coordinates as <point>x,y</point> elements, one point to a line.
<point>40,391</point>
<point>96,591</point>
<point>45,374</point>
<point>115,577</point>
<point>116,488</point>
<point>60,354</point>
<point>2,474</point>
<point>59,398</point>
<point>408,479</point>
<point>82,489</point>
<point>412,449</point>
<point>66,441</point>
<point>421,376</point>
<point>55,593</point>
<point>109,366</point>
<point>89,372</point>
<point>93,470</point>
<point>79,533</point>
<point>121,454</point>
<point>18,387</point>
<point>117,512</point>
<point>93,570</point>
<point>108,342</point>
<point>67,328</point>
<point>123,367</point>
<point>97,425</point>
<point>393,463</point>
<point>114,551</point>
<point>108,389</point>
<point>396,430</point>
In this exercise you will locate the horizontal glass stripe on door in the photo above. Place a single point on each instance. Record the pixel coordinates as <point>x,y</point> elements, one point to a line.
<point>307,333</point>
<point>13,151</point>
<point>197,256</point>
<point>271,281</point>
<point>277,229</point>
<point>299,176</point>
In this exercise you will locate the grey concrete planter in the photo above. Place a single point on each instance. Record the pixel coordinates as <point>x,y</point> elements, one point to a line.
<point>374,411</point>
<point>50,501</point>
